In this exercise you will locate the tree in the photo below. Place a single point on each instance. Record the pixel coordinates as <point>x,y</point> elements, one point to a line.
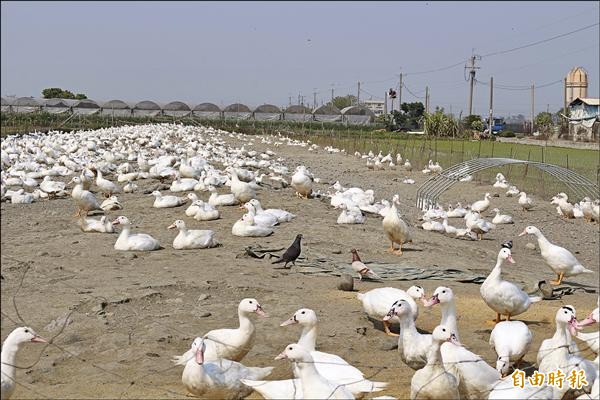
<point>343,101</point>
<point>410,117</point>
<point>58,93</point>
<point>440,124</point>
<point>473,122</point>
<point>543,121</point>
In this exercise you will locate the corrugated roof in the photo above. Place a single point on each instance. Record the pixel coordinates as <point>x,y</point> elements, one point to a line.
<point>591,101</point>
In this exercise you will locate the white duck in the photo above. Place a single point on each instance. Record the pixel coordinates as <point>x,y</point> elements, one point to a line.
<point>92,225</point>
<point>511,340</point>
<point>130,187</point>
<point>195,206</point>
<point>408,181</point>
<point>182,184</point>
<point>263,219</point>
<point>432,226</point>
<point>312,384</point>
<point>107,187</point>
<point>502,184</point>
<point>110,204</point>
<point>555,353</point>
<point>412,345</point>
<point>476,377</point>
<point>217,199</point>
<point>501,218</point>
<point>330,366</point>
<point>512,191</point>
<point>230,344</point>
<point>559,259</point>
<point>247,227</point>
<point>456,212</point>
<point>281,215</point>
<point>396,230</point>
<point>408,165</point>
<point>11,346</point>
<point>243,191</point>
<point>478,225</point>
<point>378,302</point>
<point>168,201</point>
<point>433,381</point>
<point>504,297</point>
<point>192,239</point>
<point>217,378</point>
<point>525,202</point>
<point>85,200</point>
<point>51,187</point>
<point>128,241</point>
<point>302,182</point>
<point>205,212</point>
<point>350,215</point>
<point>482,205</point>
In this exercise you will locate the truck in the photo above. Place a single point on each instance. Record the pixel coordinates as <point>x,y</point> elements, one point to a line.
<point>499,126</point>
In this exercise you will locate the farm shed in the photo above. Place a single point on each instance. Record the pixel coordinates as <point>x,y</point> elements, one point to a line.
<point>86,107</point>
<point>26,105</point>
<point>5,105</point>
<point>357,115</point>
<point>237,111</point>
<point>267,112</point>
<point>327,113</point>
<point>176,109</point>
<point>116,108</point>
<point>207,110</point>
<point>146,108</point>
<point>584,119</point>
<point>297,113</point>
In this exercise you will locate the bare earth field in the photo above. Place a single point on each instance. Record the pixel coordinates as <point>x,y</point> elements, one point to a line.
<point>129,313</point>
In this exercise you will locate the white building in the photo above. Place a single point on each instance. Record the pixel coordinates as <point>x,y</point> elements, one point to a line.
<point>377,106</point>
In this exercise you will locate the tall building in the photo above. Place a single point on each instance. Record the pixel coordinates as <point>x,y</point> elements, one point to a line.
<point>577,84</point>
<point>377,106</point>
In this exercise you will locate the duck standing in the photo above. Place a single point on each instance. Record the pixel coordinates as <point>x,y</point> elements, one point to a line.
<point>559,259</point>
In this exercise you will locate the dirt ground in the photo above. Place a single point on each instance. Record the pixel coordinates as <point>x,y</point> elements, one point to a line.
<point>127,313</point>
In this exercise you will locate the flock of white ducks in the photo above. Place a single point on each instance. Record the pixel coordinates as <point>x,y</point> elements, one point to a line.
<point>445,369</point>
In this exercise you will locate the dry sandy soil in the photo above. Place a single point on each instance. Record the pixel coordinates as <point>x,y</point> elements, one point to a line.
<point>128,314</point>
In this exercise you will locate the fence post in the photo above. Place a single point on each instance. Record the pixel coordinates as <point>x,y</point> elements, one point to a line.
<point>527,165</point>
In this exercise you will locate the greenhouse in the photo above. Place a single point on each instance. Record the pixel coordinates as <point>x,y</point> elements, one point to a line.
<point>207,110</point>
<point>237,111</point>
<point>86,107</point>
<point>176,109</point>
<point>357,115</point>
<point>26,105</point>
<point>5,105</point>
<point>267,112</point>
<point>297,113</point>
<point>327,113</point>
<point>116,108</point>
<point>146,108</point>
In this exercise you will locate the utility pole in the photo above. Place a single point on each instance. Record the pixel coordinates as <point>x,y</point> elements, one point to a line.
<point>332,93</point>
<point>472,68</point>
<point>302,100</point>
<point>358,95</point>
<point>427,99</point>
<point>315,98</point>
<point>532,106</point>
<point>298,98</point>
<point>491,120</point>
<point>290,103</point>
<point>385,97</point>
<point>400,94</point>
<point>565,122</point>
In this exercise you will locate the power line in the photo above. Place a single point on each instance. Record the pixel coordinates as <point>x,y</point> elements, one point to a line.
<point>410,91</point>
<point>461,62</point>
<point>521,87</point>
<point>540,41</point>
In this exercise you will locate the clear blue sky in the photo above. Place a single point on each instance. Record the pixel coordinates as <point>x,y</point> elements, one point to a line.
<point>264,52</point>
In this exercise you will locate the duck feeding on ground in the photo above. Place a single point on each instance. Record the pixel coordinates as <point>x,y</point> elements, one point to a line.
<point>511,340</point>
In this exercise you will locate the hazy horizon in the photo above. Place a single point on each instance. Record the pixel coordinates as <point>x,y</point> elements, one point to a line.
<point>267,52</point>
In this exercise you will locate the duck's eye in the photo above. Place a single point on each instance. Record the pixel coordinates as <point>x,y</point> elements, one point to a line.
<point>26,330</point>
<point>250,301</point>
<point>443,329</point>
<point>290,348</point>
<point>443,291</point>
<point>303,312</point>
